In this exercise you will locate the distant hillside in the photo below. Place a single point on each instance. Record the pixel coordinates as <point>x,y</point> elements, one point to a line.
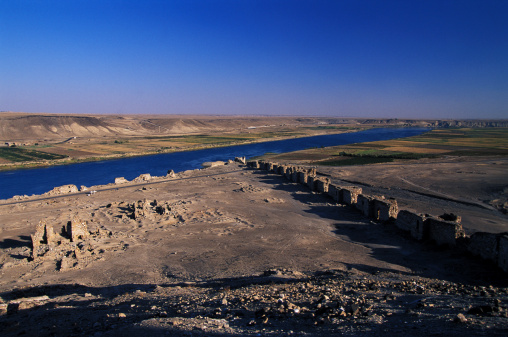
<point>15,127</point>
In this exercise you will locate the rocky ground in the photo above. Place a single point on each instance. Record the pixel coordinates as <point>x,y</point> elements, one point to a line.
<point>231,251</point>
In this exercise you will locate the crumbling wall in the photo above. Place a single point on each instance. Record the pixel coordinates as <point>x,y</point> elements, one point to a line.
<point>484,245</point>
<point>333,192</point>
<point>311,182</point>
<point>63,190</point>
<point>502,261</point>
<point>302,177</point>
<point>43,239</point>
<point>77,229</point>
<point>385,209</point>
<point>294,175</point>
<point>444,232</point>
<point>240,160</point>
<point>72,247</point>
<point>364,204</point>
<point>413,223</point>
<point>253,164</point>
<point>121,180</point>
<point>348,195</point>
<point>322,185</point>
<point>143,177</point>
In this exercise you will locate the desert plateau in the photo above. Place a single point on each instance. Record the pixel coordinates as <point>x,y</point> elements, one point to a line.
<point>291,244</point>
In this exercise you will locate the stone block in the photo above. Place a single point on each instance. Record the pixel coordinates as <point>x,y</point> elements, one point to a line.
<point>322,185</point>
<point>484,245</point>
<point>348,195</point>
<point>121,180</point>
<point>302,177</point>
<point>241,160</point>
<point>414,223</point>
<point>253,164</point>
<point>333,192</point>
<point>63,190</point>
<point>385,209</point>
<point>444,232</point>
<point>311,182</point>
<point>294,176</point>
<point>364,204</point>
<point>77,230</point>
<point>502,260</point>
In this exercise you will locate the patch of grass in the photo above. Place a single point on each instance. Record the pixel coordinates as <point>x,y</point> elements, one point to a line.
<point>386,154</point>
<point>330,127</point>
<point>355,161</point>
<point>17,154</point>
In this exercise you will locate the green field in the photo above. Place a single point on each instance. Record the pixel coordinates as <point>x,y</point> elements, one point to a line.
<point>17,154</point>
<point>433,144</point>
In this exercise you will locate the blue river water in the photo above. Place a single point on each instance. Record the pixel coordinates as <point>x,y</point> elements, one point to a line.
<point>41,180</point>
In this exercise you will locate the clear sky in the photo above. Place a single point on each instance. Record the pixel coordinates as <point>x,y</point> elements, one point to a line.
<point>355,58</point>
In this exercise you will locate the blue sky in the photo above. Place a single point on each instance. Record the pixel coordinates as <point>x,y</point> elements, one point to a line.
<point>350,58</point>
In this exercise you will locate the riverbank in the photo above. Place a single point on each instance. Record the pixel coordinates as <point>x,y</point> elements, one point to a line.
<point>172,149</point>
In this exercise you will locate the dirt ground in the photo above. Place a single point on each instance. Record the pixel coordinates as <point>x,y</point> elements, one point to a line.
<point>476,188</point>
<point>230,251</point>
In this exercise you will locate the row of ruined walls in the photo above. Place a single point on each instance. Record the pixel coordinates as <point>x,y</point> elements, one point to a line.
<point>442,230</point>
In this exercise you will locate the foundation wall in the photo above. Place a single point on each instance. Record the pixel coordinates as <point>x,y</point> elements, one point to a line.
<point>311,182</point>
<point>348,195</point>
<point>302,177</point>
<point>502,260</point>
<point>443,230</point>
<point>333,192</point>
<point>385,210</point>
<point>364,205</point>
<point>484,245</point>
<point>322,185</point>
<point>413,223</point>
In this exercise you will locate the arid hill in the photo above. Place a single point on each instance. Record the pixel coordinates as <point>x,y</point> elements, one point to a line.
<point>26,127</point>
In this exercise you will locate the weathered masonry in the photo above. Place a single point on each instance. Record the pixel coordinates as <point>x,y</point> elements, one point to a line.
<point>443,230</point>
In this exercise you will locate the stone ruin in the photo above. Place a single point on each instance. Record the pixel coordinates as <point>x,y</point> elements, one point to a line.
<point>148,209</point>
<point>65,189</point>
<point>121,180</point>
<point>71,247</point>
<point>143,177</point>
<point>444,230</point>
<point>241,160</point>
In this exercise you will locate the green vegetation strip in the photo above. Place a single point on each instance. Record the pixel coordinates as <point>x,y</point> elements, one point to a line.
<point>17,154</point>
<point>447,142</point>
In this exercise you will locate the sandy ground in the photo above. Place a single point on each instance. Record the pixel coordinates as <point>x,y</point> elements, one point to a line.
<point>236,252</point>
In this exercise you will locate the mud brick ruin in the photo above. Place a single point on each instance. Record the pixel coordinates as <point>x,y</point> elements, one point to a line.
<point>71,247</point>
<point>444,230</point>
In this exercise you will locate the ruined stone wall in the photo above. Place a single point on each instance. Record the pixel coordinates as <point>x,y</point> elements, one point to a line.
<point>322,185</point>
<point>503,252</point>
<point>302,177</point>
<point>311,183</point>
<point>349,195</point>
<point>63,190</point>
<point>484,245</point>
<point>443,230</point>
<point>364,204</point>
<point>385,209</point>
<point>333,192</point>
<point>413,223</point>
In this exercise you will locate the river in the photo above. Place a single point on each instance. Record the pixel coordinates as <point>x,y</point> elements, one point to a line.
<point>41,180</point>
